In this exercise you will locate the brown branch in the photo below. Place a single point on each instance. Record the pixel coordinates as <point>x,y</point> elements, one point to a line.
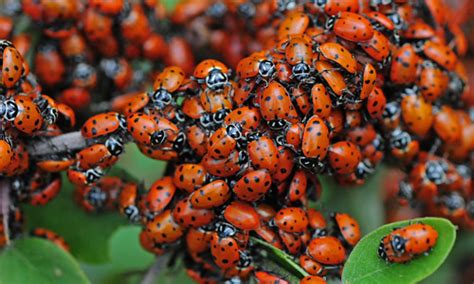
<point>157,267</point>
<point>4,208</point>
<point>72,141</point>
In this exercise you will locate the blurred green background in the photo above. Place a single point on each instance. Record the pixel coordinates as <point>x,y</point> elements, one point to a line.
<point>108,248</point>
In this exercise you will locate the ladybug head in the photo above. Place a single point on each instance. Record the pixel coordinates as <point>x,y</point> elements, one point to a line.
<point>301,71</point>
<point>277,124</point>
<point>122,121</point>
<point>435,172</point>
<point>381,250</point>
<point>161,98</point>
<point>399,139</point>
<point>243,158</point>
<point>9,110</point>
<point>206,120</point>
<point>330,23</point>
<point>235,131</point>
<point>216,80</point>
<point>405,190</point>
<point>225,229</point>
<point>245,259</point>
<point>178,144</point>
<point>246,10</point>
<point>392,111</point>
<point>216,10</point>
<point>364,169</point>
<point>158,137</point>
<point>453,201</point>
<point>219,116</point>
<point>114,145</point>
<point>93,175</point>
<point>132,213</point>
<point>96,197</point>
<point>266,68</point>
<point>398,244</point>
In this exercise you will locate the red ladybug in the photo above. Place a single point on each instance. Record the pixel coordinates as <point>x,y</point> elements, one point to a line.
<point>212,73</point>
<point>211,195</point>
<point>163,229</point>
<point>189,217</point>
<point>253,185</point>
<point>347,227</point>
<point>351,26</point>
<point>103,124</point>
<point>224,251</point>
<point>292,220</point>
<point>344,157</point>
<point>128,201</point>
<point>327,250</point>
<point>51,236</point>
<point>242,215</point>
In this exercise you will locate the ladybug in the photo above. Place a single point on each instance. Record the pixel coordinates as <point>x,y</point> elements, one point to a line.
<point>433,82</point>
<point>317,222</point>
<point>266,277</point>
<point>293,242</point>
<point>441,54</point>
<point>212,73</point>
<point>403,244</point>
<point>167,82</point>
<point>351,26</point>
<point>256,65</point>
<point>447,125</point>
<point>295,23</point>
<point>27,115</point>
<point>12,65</point>
<point>197,140</point>
<point>285,165</point>
<point>275,105</point>
<point>298,186</point>
<point>376,103</point>
<point>211,195</point>
<point>347,227</point>
<point>311,266</point>
<point>253,185</point>
<point>418,30</point>
<point>103,124</point>
<point>378,47</point>
<point>127,201</point>
<point>334,7</point>
<point>6,153</point>
<point>157,198</point>
<point>292,136</point>
<point>163,229</point>
<point>93,156</point>
<point>299,53</point>
<point>313,280</point>
<point>331,76</point>
<point>315,138</point>
<point>197,240</point>
<point>344,156</point>
<point>236,162</point>
<point>134,25</point>
<point>149,244</point>
<point>291,220</point>
<point>147,130</point>
<point>242,215</point>
<point>404,65</point>
<point>49,65</point>
<point>224,141</point>
<point>224,251</point>
<point>248,118</point>
<point>51,236</point>
<point>321,101</point>
<point>339,54</point>
<point>48,191</point>
<point>327,250</point>
<point>263,154</point>
<point>189,177</point>
<point>417,114</point>
<point>96,25</point>
<point>66,116</point>
<point>189,217</point>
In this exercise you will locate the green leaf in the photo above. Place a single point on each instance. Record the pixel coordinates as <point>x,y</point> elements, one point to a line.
<point>34,260</point>
<point>86,233</point>
<point>365,266</point>
<point>281,258</point>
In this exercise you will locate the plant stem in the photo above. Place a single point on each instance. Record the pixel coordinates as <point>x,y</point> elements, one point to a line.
<point>158,266</point>
<point>72,141</point>
<point>4,208</point>
<point>281,258</point>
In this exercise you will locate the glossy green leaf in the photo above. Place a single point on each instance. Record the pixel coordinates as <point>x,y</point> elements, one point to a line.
<point>365,266</point>
<point>34,260</point>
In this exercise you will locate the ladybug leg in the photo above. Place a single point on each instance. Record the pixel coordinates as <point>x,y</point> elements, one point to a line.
<point>434,148</point>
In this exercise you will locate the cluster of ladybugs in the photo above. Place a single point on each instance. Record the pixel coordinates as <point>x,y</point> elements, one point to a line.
<point>330,87</point>
<point>87,47</point>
